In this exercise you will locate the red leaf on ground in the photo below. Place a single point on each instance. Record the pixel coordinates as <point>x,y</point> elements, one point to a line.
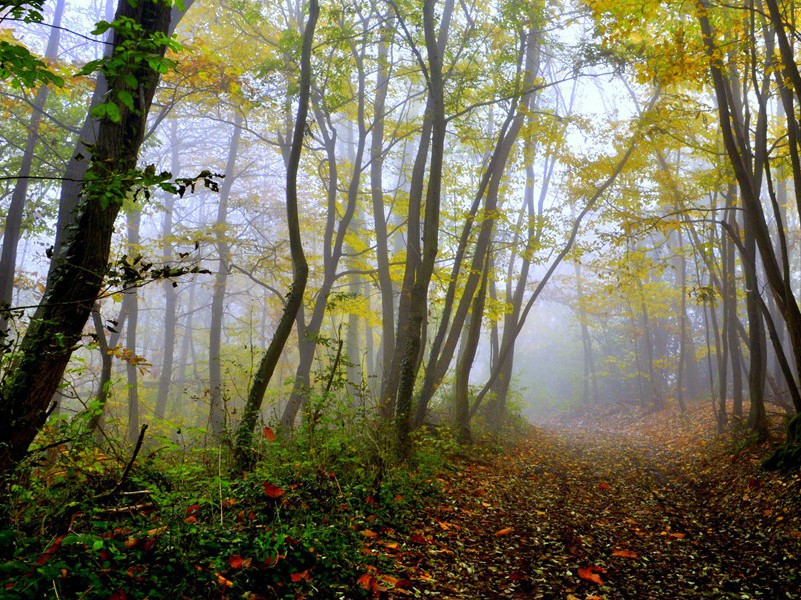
<point>273,491</point>
<point>118,595</point>
<point>269,434</point>
<point>604,486</point>
<point>625,553</point>
<point>370,583</point>
<point>235,561</point>
<point>48,554</point>
<point>591,574</point>
<point>190,510</point>
<point>505,531</point>
<point>296,577</point>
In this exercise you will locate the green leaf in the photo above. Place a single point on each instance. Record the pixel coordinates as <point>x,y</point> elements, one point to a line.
<point>113,112</point>
<point>101,27</point>
<point>126,98</point>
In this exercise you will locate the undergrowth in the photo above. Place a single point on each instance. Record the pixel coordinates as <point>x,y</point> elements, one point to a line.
<point>179,526</point>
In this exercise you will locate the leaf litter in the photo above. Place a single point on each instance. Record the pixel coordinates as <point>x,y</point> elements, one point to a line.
<point>611,507</point>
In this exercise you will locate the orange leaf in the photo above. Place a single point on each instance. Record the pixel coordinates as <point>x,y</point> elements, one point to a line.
<point>625,553</point>
<point>366,581</point>
<point>190,519</point>
<point>370,534</point>
<point>678,536</point>
<point>604,486</point>
<point>296,577</point>
<point>223,581</point>
<point>501,532</point>
<point>235,561</point>
<point>273,491</point>
<point>269,434</point>
<point>591,574</point>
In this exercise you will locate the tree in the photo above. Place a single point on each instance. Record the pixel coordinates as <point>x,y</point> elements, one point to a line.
<point>300,268</point>
<point>139,43</point>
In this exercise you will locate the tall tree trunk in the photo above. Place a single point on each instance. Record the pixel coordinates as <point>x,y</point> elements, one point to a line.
<point>106,363</point>
<point>16,208</point>
<point>216,387</point>
<point>379,216</point>
<point>170,295</point>
<point>77,274</point>
<point>407,353</point>
<point>131,299</point>
<point>300,268</point>
<point>465,363</point>
<point>333,245</point>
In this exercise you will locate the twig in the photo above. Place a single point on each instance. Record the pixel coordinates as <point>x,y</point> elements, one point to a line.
<point>122,509</point>
<point>128,467</point>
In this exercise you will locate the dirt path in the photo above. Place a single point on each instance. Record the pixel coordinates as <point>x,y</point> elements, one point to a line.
<point>576,514</point>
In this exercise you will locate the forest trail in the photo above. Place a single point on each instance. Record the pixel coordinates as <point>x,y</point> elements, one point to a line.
<point>581,513</point>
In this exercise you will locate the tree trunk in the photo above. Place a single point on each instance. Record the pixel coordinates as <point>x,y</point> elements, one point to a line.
<point>170,295</point>
<point>16,208</point>
<point>216,387</point>
<point>77,274</point>
<point>131,299</point>
<point>300,268</point>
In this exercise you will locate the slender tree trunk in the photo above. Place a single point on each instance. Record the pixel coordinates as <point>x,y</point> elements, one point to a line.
<point>465,363</point>
<point>131,298</point>
<point>333,244</point>
<point>16,208</point>
<point>300,268</point>
<point>170,295</point>
<point>216,386</point>
<point>106,363</point>
<point>416,286</point>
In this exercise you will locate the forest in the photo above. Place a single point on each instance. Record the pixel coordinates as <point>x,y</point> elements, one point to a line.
<point>396,298</point>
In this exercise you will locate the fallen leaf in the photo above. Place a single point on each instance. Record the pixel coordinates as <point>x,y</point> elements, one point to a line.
<point>591,574</point>
<point>678,536</point>
<point>303,575</point>
<point>269,434</point>
<point>48,554</point>
<point>625,553</point>
<point>604,486</point>
<point>505,531</point>
<point>369,533</point>
<point>223,581</point>
<point>273,491</point>
<point>236,561</point>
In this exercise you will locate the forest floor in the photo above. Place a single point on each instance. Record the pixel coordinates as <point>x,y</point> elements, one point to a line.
<point>612,506</point>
